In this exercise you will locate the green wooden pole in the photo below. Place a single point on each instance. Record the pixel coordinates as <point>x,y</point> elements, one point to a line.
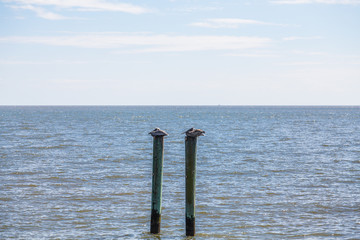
<point>190,177</point>
<point>190,170</point>
<point>157,174</point>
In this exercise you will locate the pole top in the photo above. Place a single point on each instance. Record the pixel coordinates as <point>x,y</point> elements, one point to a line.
<point>193,132</point>
<point>157,132</point>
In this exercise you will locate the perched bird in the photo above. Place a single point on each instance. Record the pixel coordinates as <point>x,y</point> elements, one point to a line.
<point>193,132</point>
<point>158,132</point>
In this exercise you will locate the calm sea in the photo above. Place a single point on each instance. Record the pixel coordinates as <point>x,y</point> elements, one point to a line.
<point>262,172</point>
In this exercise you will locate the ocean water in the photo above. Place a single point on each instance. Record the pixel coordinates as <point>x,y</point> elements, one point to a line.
<point>262,172</point>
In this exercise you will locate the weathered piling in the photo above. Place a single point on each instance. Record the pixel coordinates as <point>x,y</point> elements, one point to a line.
<point>157,174</point>
<point>190,177</point>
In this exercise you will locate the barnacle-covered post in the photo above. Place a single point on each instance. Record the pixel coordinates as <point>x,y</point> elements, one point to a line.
<point>190,176</point>
<point>157,174</point>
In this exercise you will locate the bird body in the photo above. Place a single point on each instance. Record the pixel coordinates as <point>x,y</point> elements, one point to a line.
<point>193,132</point>
<point>158,132</point>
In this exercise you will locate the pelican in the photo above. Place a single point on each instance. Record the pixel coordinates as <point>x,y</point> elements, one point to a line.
<point>193,132</point>
<point>158,132</point>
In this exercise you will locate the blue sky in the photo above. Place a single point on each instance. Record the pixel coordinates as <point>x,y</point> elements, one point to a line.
<point>180,52</point>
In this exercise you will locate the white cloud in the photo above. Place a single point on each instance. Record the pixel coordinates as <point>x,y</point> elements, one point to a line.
<point>352,2</point>
<point>293,38</point>
<point>83,5</point>
<point>301,63</point>
<point>299,52</point>
<point>197,9</point>
<point>40,12</point>
<point>253,55</point>
<point>230,23</point>
<point>17,62</point>
<point>145,42</point>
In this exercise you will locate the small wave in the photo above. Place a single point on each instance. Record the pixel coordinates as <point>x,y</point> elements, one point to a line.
<point>53,178</point>
<point>319,235</point>
<point>53,147</point>
<point>237,173</point>
<point>214,236</point>
<point>285,139</point>
<point>250,160</point>
<point>124,159</point>
<point>24,173</point>
<point>264,226</point>
<point>201,206</point>
<point>169,174</point>
<point>142,149</point>
<point>318,205</point>
<point>60,146</point>
<point>90,199</point>
<point>282,170</point>
<point>5,199</point>
<point>123,194</point>
<point>81,223</point>
<point>245,226</point>
<point>272,193</point>
<point>137,217</point>
<point>123,176</point>
<point>144,192</point>
<point>32,154</point>
<point>25,185</point>
<point>222,198</point>
<point>36,193</point>
<point>28,128</point>
<point>85,210</point>
<point>203,213</point>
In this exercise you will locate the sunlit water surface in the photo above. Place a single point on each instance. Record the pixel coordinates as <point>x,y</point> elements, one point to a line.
<point>262,172</point>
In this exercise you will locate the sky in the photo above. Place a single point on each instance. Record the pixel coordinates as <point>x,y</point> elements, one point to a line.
<point>180,52</point>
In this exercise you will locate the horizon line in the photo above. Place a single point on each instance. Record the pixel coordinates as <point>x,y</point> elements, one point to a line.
<point>177,105</point>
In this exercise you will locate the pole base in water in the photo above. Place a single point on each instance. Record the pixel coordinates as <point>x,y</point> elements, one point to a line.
<point>190,226</point>
<point>155,222</point>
